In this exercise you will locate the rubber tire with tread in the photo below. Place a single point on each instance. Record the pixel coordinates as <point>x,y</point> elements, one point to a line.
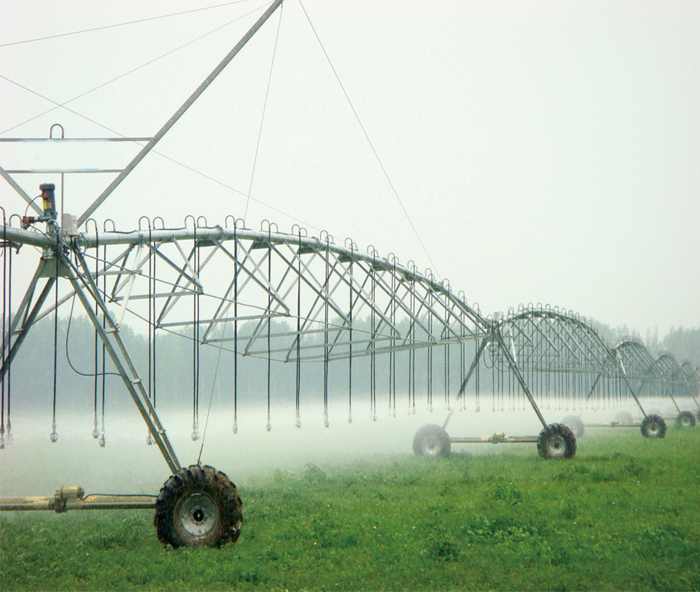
<point>198,506</point>
<point>653,426</point>
<point>685,419</point>
<point>556,441</point>
<point>574,423</point>
<point>432,441</point>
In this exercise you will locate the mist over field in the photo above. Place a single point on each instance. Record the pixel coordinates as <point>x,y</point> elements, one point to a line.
<point>32,465</point>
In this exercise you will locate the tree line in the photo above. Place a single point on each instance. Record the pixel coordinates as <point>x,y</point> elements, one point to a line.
<point>76,377</point>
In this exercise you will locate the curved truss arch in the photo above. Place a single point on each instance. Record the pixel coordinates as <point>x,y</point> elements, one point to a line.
<point>545,340</point>
<point>675,382</point>
<point>636,359</point>
<point>639,368</point>
<point>692,375</point>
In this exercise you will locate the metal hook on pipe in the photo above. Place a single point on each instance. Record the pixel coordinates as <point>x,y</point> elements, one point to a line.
<point>269,226</point>
<point>94,222</point>
<point>298,230</point>
<point>58,125</point>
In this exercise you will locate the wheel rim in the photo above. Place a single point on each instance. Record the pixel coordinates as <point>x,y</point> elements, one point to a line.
<point>430,446</point>
<point>197,515</point>
<point>556,446</point>
<point>685,421</point>
<point>653,428</point>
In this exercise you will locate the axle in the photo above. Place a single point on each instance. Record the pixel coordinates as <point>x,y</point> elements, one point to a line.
<point>497,438</point>
<point>74,498</point>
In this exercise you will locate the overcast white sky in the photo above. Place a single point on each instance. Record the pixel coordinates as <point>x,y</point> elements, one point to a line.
<point>544,151</point>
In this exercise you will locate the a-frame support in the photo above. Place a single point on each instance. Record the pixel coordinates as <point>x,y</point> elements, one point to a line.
<point>494,336</point>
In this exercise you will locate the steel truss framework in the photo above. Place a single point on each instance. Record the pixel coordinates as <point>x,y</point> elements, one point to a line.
<point>662,377</point>
<point>291,298</point>
<point>294,299</point>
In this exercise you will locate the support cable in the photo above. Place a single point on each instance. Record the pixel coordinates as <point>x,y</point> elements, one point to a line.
<point>211,396</point>
<point>115,25</point>
<point>209,178</point>
<point>58,105</point>
<point>371,145</point>
<point>262,117</point>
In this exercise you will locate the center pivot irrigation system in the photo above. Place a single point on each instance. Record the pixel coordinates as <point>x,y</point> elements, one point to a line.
<point>296,300</point>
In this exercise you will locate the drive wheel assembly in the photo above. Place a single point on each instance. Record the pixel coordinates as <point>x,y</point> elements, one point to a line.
<point>556,441</point>
<point>198,506</point>
<point>685,419</point>
<point>574,423</point>
<point>653,426</point>
<point>432,441</point>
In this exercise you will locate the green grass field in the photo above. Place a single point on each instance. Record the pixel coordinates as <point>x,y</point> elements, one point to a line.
<point>621,515</point>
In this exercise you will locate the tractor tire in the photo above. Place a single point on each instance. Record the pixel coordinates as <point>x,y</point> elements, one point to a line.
<point>198,506</point>
<point>574,423</point>
<point>685,419</point>
<point>556,441</point>
<point>432,441</point>
<point>653,426</point>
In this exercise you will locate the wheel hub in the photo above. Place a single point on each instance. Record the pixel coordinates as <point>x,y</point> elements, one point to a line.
<point>431,446</point>
<point>197,515</point>
<point>556,446</point>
